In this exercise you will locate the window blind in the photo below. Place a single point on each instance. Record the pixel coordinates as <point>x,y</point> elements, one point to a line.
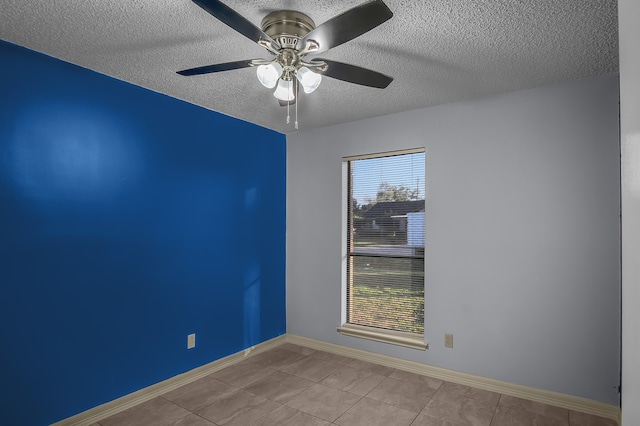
<point>385,241</point>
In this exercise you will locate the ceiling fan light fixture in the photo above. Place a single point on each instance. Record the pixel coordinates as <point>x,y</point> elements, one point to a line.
<point>290,36</point>
<point>308,79</point>
<point>269,74</point>
<point>284,92</point>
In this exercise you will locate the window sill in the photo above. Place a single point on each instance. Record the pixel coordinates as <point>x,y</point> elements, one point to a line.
<point>409,340</point>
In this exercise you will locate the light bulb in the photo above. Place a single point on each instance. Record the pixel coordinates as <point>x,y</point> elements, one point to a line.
<point>284,92</point>
<point>309,79</point>
<point>269,74</point>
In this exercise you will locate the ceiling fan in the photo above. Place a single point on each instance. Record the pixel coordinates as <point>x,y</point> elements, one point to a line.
<point>290,36</point>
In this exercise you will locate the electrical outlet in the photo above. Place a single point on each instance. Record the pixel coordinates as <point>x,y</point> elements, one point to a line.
<point>191,341</point>
<point>448,340</point>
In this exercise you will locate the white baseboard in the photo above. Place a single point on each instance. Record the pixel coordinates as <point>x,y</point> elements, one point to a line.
<point>546,397</point>
<point>116,406</point>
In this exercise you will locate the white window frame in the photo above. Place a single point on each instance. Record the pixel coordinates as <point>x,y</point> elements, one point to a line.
<point>410,340</point>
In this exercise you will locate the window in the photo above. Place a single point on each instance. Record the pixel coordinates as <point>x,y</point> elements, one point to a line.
<point>384,231</point>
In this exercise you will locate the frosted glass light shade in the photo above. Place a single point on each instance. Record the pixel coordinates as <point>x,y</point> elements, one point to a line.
<point>269,74</point>
<point>284,92</point>
<point>309,79</point>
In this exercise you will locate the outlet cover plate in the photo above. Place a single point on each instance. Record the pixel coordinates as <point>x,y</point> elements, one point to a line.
<point>448,340</point>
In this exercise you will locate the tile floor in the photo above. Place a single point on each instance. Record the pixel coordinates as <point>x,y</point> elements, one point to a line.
<point>298,386</point>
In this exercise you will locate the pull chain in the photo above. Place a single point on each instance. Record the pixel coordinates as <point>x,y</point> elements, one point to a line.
<point>288,104</point>
<point>297,102</point>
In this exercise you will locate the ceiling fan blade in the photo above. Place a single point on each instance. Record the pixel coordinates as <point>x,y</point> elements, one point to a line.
<point>355,74</point>
<point>348,25</point>
<point>207,69</point>
<point>233,19</point>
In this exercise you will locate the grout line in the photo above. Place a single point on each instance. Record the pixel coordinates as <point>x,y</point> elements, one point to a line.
<point>347,353</point>
<point>532,394</point>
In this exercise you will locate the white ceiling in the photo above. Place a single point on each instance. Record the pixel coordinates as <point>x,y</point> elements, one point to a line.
<point>438,51</point>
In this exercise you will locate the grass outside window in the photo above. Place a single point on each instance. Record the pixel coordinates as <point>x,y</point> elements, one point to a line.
<point>388,293</point>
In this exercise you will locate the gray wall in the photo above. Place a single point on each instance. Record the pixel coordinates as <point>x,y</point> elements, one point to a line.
<point>523,242</point>
<point>630,140</point>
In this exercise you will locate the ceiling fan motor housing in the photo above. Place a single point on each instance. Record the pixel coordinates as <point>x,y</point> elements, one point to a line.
<point>287,27</point>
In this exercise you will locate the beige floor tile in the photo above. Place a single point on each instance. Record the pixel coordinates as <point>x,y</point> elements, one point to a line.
<point>506,416</point>
<point>279,386</point>
<point>520,404</point>
<point>318,387</point>
<point>582,419</point>
<point>276,358</point>
<point>334,358</point>
<point>371,367</point>
<point>200,393</point>
<point>237,409</point>
<point>285,416</point>
<point>459,409</point>
<point>297,348</point>
<point>425,420</point>
<point>155,412</point>
<point>473,393</point>
<point>412,396</point>
<point>311,368</point>
<point>353,380</point>
<point>368,412</point>
<point>324,402</point>
<point>413,377</point>
<point>242,373</point>
<point>193,420</point>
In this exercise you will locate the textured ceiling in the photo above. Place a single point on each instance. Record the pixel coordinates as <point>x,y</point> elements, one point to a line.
<point>438,51</point>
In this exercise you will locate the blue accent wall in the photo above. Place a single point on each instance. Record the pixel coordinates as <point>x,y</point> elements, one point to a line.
<point>128,220</point>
